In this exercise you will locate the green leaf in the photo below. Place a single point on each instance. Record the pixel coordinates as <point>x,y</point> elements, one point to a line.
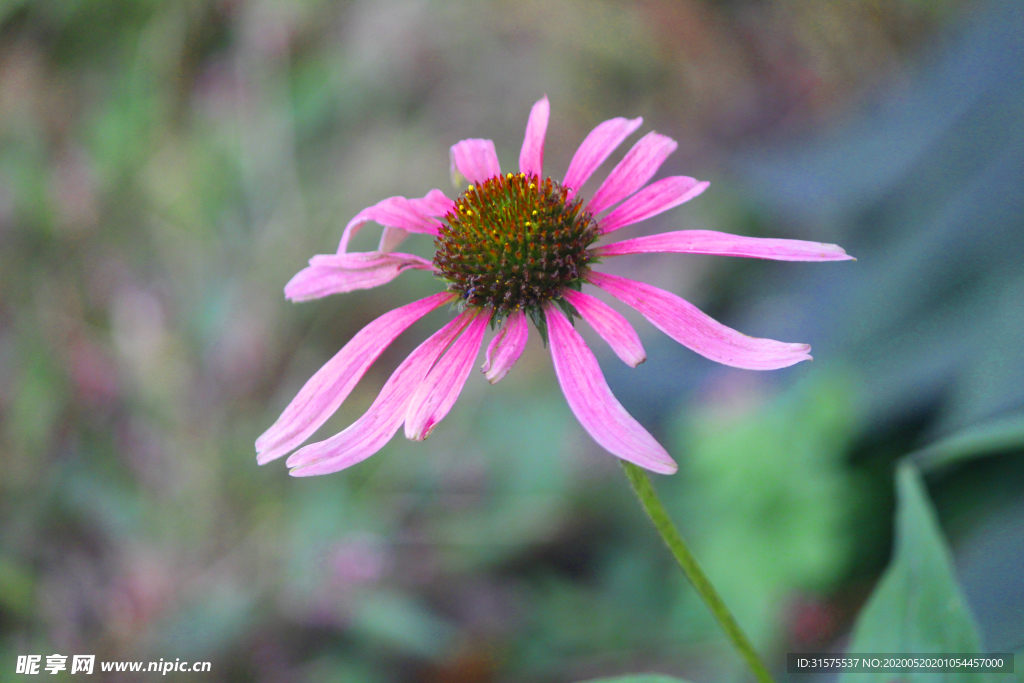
<point>995,436</point>
<point>917,606</point>
<point>638,678</point>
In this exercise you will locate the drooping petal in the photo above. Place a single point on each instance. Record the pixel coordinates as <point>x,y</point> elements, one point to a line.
<point>438,392</point>
<point>475,160</point>
<point>390,238</point>
<point>652,200</point>
<point>593,404</point>
<point>337,273</point>
<point>695,330</point>
<point>636,168</point>
<point>434,203</point>
<point>724,244</point>
<point>600,143</point>
<point>374,429</point>
<point>331,385</point>
<point>531,157</point>
<point>393,212</point>
<point>611,325</point>
<point>506,347</point>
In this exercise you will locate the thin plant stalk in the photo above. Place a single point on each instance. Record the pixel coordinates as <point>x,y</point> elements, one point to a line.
<point>667,530</point>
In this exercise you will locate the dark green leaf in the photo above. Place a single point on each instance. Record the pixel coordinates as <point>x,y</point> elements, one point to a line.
<point>995,436</point>
<point>917,606</point>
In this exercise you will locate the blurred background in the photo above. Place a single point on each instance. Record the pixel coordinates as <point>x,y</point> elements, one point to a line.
<point>166,167</point>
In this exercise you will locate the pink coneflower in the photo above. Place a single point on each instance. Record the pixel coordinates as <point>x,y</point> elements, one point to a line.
<point>513,247</point>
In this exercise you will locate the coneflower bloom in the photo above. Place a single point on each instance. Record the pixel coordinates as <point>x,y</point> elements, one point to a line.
<point>513,248</point>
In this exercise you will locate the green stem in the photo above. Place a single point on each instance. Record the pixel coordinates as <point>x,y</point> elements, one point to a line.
<point>656,511</point>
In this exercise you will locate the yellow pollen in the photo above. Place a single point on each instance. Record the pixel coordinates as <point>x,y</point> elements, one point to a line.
<point>532,186</point>
<point>509,176</point>
<point>469,189</point>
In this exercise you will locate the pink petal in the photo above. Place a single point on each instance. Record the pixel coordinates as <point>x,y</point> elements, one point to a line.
<point>475,160</point>
<point>592,401</point>
<point>506,347</point>
<point>601,142</point>
<point>390,238</point>
<point>636,168</point>
<point>337,273</point>
<point>610,324</point>
<point>652,200</point>
<point>436,394</point>
<point>682,321</point>
<point>435,203</point>
<point>531,157</point>
<point>331,385</point>
<point>393,212</point>
<point>374,429</point>
<point>724,244</point>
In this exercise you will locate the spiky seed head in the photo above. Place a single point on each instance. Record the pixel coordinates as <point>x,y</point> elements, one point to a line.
<point>514,242</point>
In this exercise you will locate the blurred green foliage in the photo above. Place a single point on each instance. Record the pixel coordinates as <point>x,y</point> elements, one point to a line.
<point>758,541</point>
<point>639,679</point>
<point>165,167</point>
